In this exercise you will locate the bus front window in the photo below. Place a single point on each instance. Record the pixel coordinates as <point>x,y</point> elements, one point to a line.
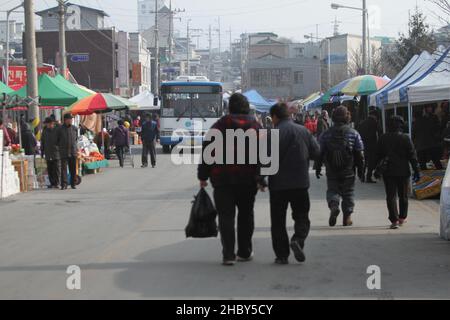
<point>206,106</point>
<point>176,105</point>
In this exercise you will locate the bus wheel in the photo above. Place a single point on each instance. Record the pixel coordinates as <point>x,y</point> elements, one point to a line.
<point>166,149</point>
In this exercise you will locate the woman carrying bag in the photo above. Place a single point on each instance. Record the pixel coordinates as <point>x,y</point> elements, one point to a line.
<point>395,154</point>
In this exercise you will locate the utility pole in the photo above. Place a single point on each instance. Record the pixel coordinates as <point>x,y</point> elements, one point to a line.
<point>364,40</point>
<point>231,40</point>
<point>188,49</point>
<point>171,13</point>
<point>32,76</point>
<point>156,50</point>
<point>210,53</point>
<point>62,37</point>
<point>171,18</point>
<point>220,39</point>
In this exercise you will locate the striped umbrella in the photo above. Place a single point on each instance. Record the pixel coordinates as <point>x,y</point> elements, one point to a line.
<point>100,103</point>
<point>358,86</point>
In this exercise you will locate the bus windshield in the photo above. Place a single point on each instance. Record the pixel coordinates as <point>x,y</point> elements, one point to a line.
<point>191,105</point>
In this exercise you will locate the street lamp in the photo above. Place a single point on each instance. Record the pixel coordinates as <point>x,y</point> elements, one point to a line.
<point>329,58</point>
<point>364,11</point>
<point>8,13</point>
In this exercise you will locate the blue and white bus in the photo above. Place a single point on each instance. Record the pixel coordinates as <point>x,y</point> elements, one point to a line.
<point>190,105</point>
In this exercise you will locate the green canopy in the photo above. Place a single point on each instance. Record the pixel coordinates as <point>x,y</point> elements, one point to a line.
<point>5,89</point>
<point>72,88</point>
<point>53,92</point>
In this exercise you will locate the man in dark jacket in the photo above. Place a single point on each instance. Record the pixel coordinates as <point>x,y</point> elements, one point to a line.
<point>427,138</point>
<point>29,142</point>
<point>235,185</point>
<point>149,134</point>
<point>370,132</point>
<point>290,185</point>
<point>67,143</point>
<point>397,149</point>
<point>342,150</point>
<point>121,140</point>
<point>50,151</point>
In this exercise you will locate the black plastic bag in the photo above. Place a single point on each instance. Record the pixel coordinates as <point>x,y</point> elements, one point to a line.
<point>202,222</point>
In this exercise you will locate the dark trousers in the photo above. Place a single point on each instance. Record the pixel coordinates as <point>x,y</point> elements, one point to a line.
<point>54,171</point>
<point>148,147</point>
<point>300,205</point>
<point>227,199</point>
<point>71,164</point>
<point>370,163</point>
<point>433,154</point>
<point>397,188</point>
<point>120,150</point>
<point>341,189</point>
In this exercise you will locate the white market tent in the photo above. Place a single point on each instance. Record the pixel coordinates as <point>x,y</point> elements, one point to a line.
<point>378,98</point>
<point>397,95</point>
<point>144,102</point>
<point>434,87</point>
<point>429,72</point>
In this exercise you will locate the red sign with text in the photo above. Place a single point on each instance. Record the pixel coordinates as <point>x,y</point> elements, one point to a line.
<point>18,75</point>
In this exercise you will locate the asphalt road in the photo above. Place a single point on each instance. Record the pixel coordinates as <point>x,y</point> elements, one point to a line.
<point>125,229</point>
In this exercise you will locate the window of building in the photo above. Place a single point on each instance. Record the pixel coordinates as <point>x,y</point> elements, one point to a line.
<point>298,77</point>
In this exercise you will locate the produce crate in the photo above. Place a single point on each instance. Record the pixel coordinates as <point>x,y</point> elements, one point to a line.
<point>23,175</point>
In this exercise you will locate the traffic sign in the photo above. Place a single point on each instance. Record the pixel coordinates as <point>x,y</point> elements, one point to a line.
<point>79,57</point>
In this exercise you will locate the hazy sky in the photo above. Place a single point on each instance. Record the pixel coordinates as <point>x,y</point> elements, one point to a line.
<point>288,18</point>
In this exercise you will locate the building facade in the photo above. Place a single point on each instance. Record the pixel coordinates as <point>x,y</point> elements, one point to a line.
<point>278,69</point>
<point>140,64</point>
<point>346,56</point>
<point>92,56</point>
<point>146,13</point>
<point>77,18</point>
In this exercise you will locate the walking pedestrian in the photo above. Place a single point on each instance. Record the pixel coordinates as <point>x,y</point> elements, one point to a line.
<point>67,143</point>
<point>235,186</point>
<point>29,142</point>
<point>342,150</point>
<point>50,151</point>
<point>121,140</point>
<point>397,152</point>
<point>149,135</point>
<point>323,123</point>
<point>370,133</point>
<point>291,185</point>
<point>103,141</point>
<point>426,136</point>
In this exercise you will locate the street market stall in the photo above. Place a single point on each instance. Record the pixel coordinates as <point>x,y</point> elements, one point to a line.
<point>261,104</point>
<point>92,159</point>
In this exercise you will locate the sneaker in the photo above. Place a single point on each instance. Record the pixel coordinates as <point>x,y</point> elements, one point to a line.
<point>281,261</point>
<point>395,226</point>
<point>402,222</point>
<point>144,166</point>
<point>333,217</point>
<point>348,222</point>
<point>240,259</point>
<point>228,263</point>
<point>298,251</point>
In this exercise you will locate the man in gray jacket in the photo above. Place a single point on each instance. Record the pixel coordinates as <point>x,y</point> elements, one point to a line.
<point>291,185</point>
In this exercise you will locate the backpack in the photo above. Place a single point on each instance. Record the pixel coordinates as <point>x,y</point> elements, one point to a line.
<point>339,155</point>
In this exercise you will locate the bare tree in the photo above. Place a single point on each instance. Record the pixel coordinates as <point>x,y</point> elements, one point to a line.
<point>444,6</point>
